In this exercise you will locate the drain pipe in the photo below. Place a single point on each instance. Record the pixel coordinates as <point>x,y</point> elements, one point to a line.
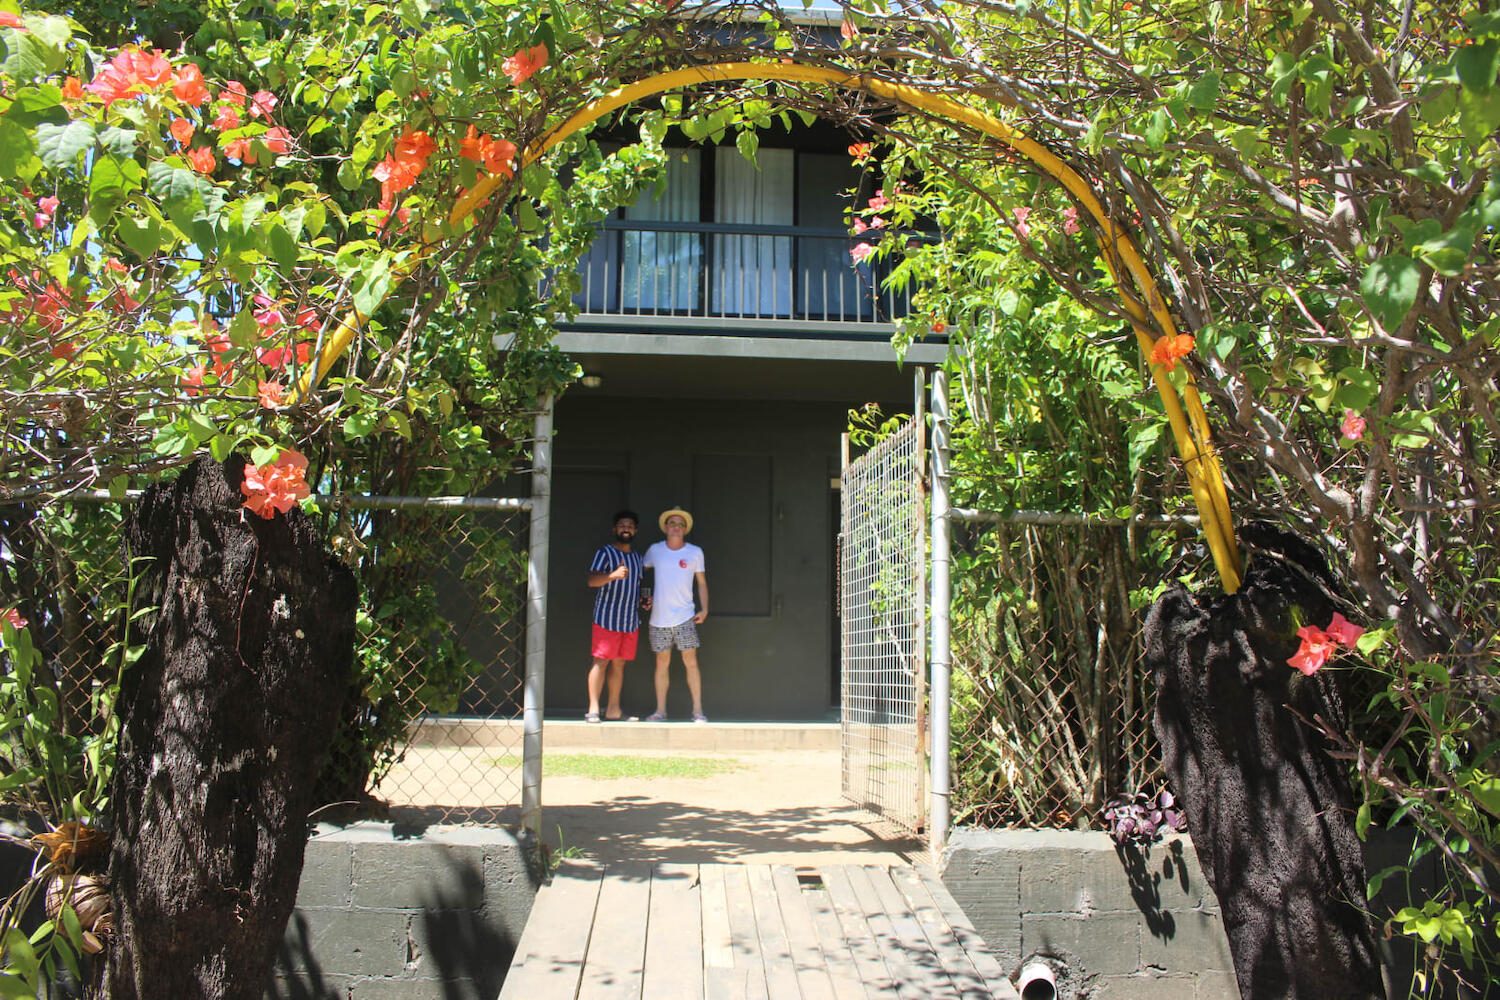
<point>1037,981</point>
<point>533,697</point>
<point>940,603</point>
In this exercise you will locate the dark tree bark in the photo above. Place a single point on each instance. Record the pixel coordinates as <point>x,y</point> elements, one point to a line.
<point>1270,811</point>
<point>226,721</point>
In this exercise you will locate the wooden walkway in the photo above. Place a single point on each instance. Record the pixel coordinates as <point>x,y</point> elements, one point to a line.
<point>770,932</point>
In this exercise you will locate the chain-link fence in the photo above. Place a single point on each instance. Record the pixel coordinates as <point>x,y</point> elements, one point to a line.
<point>882,602</point>
<point>431,729</point>
<point>1051,712</point>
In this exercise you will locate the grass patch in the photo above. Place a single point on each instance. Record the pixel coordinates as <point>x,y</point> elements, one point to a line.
<point>613,766</point>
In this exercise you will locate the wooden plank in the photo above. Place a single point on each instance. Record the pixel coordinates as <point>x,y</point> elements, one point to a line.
<point>617,958</point>
<point>718,949</point>
<point>813,980</point>
<point>775,949</point>
<point>869,961</point>
<point>550,956</point>
<point>968,938</point>
<point>743,935</point>
<point>904,967</point>
<point>967,981</point>
<point>833,944</point>
<point>928,969</point>
<point>674,935</point>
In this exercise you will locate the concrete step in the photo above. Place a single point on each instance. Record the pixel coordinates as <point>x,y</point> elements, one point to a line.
<point>575,734</point>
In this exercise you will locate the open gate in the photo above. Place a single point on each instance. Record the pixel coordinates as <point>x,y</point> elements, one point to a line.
<point>882,614</point>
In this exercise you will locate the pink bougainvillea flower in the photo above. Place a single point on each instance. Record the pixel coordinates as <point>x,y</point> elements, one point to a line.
<point>189,87</point>
<point>276,486</point>
<point>847,29</point>
<point>272,394</point>
<point>1168,349</point>
<point>308,319</point>
<point>859,226</point>
<point>226,118</point>
<point>1317,646</point>
<point>13,615</point>
<point>880,201</point>
<point>262,104</point>
<point>268,315</point>
<point>202,159</point>
<point>192,379</point>
<point>524,64</point>
<point>1070,221</point>
<point>234,93</point>
<point>182,130</point>
<point>113,264</point>
<point>48,204</point>
<point>1353,426</point>
<point>9,20</point>
<point>1343,631</point>
<point>1022,213</point>
<point>877,223</point>
<point>860,151</point>
<point>130,74</point>
<point>280,357</point>
<point>277,140</point>
<point>64,350</point>
<point>495,154</point>
<point>860,252</point>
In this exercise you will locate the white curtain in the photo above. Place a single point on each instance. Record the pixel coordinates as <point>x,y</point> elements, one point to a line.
<point>753,274</point>
<point>661,270</point>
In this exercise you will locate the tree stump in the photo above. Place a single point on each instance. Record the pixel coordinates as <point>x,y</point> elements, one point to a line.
<point>1270,811</point>
<point>226,720</point>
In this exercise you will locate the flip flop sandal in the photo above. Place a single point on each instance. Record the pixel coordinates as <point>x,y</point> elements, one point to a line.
<point>656,717</point>
<point>592,718</point>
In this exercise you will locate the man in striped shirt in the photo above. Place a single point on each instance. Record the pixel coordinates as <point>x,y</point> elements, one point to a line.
<point>616,574</point>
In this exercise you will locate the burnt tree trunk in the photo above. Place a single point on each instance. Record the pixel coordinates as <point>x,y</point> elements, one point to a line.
<point>226,720</point>
<point>1270,811</point>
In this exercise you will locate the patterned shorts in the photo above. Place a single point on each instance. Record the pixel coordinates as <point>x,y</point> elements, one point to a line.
<point>684,636</point>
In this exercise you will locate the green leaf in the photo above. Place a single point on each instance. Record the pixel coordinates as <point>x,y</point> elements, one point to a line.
<point>16,151</point>
<point>1389,288</point>
<point>21,955</point>
<point>374,283</point>
<point>179,190</point>
<point>60,145</point>
<point>109,186</point>
<point>264,454</point>
<point>141,234</point>
<point>283,248</point>
<point>120,141</point>
<point>1204,92</point>
<point>1156,131</point>
<point>1478,64</point>
<point>361,423</point>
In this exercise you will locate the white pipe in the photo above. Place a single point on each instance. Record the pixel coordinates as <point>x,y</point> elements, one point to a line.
<point>1037,982</point>
<point>534,697</point>
<point>941,655</point>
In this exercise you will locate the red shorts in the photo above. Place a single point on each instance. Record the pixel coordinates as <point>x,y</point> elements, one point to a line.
<point>608,645</point>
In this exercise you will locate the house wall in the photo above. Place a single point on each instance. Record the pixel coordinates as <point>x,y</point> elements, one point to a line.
<point>756,477</point>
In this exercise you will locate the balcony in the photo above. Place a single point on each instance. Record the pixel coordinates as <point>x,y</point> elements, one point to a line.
<point>734,278</point>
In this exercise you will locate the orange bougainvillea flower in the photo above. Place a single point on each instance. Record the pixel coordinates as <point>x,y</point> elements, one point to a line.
<point>234,93</point>
<point>280,357</point>
<point>130,74</point>
<point>1317,646</point>
<point>238,149</point>
<point>847,29</point>
<point>413,148</point>
<point>272,394</point>
<point>202,159</point>
<point>262,104</point>
<point>72,89</point>
<point>495,154</point>
<point>1168,349</point>
<point>182,130</point>
<point>276,486</point>
<point>277,140</point>
<point>189,87</point>
<point>860,151</point>
<point>521,66</point>
<point>192,379</point>
<point>226,118</point>
<point>9,20</point>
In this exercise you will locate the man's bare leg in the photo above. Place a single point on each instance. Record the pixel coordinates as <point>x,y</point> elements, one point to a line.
<point>615,678</point>
<point>663,661</point>
<point>596,684</point>
<point>694,679</point>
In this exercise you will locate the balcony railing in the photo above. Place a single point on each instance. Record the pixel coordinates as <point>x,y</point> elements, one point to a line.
<point>734,274</point>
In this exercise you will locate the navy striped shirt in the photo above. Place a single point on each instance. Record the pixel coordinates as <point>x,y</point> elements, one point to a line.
<point>617,604</point>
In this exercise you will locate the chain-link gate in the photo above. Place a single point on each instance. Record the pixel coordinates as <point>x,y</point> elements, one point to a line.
<point>882,602</point>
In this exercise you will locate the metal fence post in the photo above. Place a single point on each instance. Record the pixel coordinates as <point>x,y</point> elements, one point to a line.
<point>533,699</point>
<point>937,830</point>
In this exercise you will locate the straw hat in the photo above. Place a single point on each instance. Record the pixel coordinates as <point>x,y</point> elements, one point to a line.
<point>661,522</point>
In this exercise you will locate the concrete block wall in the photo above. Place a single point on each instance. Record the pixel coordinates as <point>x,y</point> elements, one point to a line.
<point>383,915</point>
<point>1119,925</point>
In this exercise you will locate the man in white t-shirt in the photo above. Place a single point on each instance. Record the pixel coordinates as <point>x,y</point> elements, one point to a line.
<point>676,564</point>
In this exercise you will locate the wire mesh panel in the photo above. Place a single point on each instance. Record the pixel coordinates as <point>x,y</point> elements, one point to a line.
<point>1051,702</point>
<point>882,599</point>
<point>431,730</point>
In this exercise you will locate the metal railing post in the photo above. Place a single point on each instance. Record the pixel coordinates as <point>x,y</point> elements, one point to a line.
<point>533,699</point>
<point>939,763</point>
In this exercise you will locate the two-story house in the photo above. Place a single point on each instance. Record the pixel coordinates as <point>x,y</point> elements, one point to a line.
<point>725,333</point>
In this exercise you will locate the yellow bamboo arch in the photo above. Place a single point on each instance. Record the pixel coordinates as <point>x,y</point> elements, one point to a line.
<point>1188,421</point>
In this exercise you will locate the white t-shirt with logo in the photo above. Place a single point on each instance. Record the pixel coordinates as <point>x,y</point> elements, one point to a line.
<point>672,599</point>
